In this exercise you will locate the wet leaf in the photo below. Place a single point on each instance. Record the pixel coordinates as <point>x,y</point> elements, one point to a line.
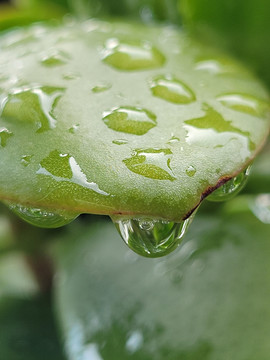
<point>163,132</point>
<point>209,300</point>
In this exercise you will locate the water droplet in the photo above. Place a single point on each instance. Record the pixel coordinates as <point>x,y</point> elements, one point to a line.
<point>41,217</point>
<point>151,163</point>
<point>219,65</point>
<point>230,188</point>
<point>56,58</point>
<point>130,120</point>
<point>71,76</point>
<point>63,167</point>
<point>5,134</point>
<point>245,103</point>
<point>172,90</point>
<point>33,105</point>
<point>26,159</point>
<point>191,171</point>
<point>73,128</point>
<point>173,140</point>
<point>151,238</point>
<point>260,207</point>
<point>120,142</point>
<point>129,56</point>
<point>214,120</point>
<point>101,88</point>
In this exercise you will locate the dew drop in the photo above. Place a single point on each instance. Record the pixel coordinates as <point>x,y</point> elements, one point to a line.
<point>33,105</point>
<point>5,134</point>
<point>73,129</point>
<point>71,76</point>
<point>261,208</point>
<point>151,237</point>
<point>151,163</point>
<point>41,217</point>
<point>172,90</point>
<point>101,88</point>
<point>120,142</point>
<point>130,120</point>
<point>191,171</point>
<point>230,188</point>
<point>130,56</point>
<point>56,58</point>
<point>173,140</point>
<point>245,103</point>
<point>26,159</point>
<point>64,168</point>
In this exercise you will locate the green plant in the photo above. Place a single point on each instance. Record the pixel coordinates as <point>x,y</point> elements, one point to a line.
<point>140,123</point>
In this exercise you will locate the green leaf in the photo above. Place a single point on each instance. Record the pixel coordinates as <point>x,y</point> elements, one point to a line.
<point>209,300</point>
<point>11,16</point>
<point>171,120</point>
<point>27,330</point>
<point>241,26</point>
<point>145,10</point>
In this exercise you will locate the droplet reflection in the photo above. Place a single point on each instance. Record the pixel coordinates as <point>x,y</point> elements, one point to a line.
<point>230,188</point>
<point>151,237</point>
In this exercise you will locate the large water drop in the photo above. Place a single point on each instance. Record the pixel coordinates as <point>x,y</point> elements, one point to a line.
<point>33,105</point>
<point>230,188</point>
<point>130,120</point>
<point>151,237</point>
<point>41,217</point>
<point>130,56</point>
<point>151,163</point>
<point>245,103</point>
<point>172,90</point>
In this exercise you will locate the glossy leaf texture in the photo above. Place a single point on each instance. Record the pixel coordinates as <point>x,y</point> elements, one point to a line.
<point>209,300</point>
<point>120,119</point>
<point>144,10</point>
<point>241,26</point>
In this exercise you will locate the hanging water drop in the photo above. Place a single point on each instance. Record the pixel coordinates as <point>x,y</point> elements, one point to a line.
<point>231,187</point>
<point>151,237</point>
<point>41,217</point>
<point>172,90</point>
<point>130,56</point>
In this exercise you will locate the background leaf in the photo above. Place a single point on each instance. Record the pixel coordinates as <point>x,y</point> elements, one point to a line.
<point>208,300</point>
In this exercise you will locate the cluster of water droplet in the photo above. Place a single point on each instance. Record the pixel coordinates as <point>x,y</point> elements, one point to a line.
<point>151,237</point>
<point>41,217</point>
<point>230,188</point>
